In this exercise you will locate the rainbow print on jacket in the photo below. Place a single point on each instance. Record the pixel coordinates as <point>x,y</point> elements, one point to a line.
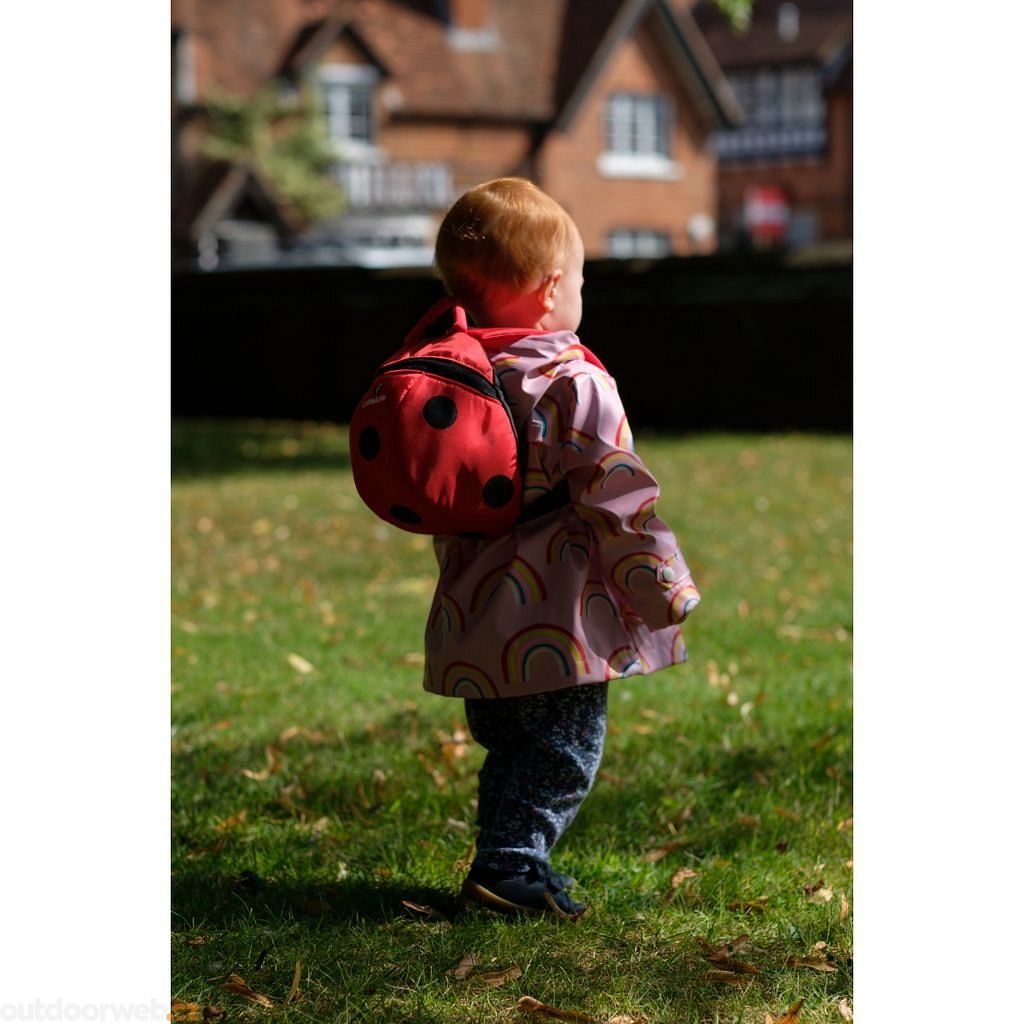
<point>447,616</point>
<point>562,545</point>
<point>525,583</point>
<point>583,593</point>
<point>542,649</point>
<point>629,572</point>
<point>623,662</point>
<point>612,467</point>
<point>464,680</point>
<point>595,601</point>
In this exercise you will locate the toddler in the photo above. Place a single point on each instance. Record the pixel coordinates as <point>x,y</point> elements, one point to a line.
<point>528,628</point>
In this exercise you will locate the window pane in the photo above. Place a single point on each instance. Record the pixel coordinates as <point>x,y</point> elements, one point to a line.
<point>623,243</point>
<point>349,111</point>
<point>636,124</point>
<point>766,104</point>
<point>359,112</point>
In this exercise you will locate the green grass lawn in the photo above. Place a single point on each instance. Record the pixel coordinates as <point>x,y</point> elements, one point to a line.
<point>317,790</point>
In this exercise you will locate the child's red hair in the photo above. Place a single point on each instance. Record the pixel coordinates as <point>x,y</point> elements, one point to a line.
<point>497,238</point>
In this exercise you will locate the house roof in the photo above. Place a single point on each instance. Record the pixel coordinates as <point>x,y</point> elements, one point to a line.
<point>826,30</point>
<point>316,37</point>
<point>220,189</point>
<point>547,54</point>
<point>594,29</point>
<point>510,81</point>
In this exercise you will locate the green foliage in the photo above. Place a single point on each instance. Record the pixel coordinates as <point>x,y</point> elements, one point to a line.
<point>737,11</point>
<point>297,655</point>
<point>283,138</point>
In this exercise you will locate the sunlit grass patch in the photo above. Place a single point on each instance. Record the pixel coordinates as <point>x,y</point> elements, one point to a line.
<point>320,797</point>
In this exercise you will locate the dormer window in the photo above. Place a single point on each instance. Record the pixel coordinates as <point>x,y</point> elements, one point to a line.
<point>347,92</point>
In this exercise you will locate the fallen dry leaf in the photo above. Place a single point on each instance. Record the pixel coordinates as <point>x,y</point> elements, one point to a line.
<point>844,907</point>
<point>748,820</point>
<point>194,1012</point>
<point>420,908</point>
<point>653,856</point>
<point>681,875</point>
<point>238,986</point>
<point>791,815</point>
<point>232,822</point>
<point>825,740</point>
<point>845,824</point>
<point>821,896</point>
<point>464,967</point>
<point>627,1018</point>
<point>495,979</point>
<point>440,779</point>
<point>293,993</point>
<point>749,906</point>
<point>273,766</point>
<point>527,1004</point>
<point>454,747</point>
<point>790,1016</point>
<point>312,735</point>
<point>722,956</point>
<point>300,664</point>
<point>815,962</point>
<point>845,1009</point>
<point>727,978</point>
<point>677,880</point>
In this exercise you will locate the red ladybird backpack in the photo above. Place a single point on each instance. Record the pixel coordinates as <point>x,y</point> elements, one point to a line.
<point>433,443</point>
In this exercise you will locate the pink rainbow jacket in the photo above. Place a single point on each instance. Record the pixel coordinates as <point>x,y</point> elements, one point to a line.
<point>592,591</point>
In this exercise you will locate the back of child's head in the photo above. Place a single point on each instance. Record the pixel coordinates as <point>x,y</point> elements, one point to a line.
<point>499,237</point>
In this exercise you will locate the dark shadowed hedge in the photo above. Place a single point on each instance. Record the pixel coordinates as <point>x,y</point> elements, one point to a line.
<point>721,342</point>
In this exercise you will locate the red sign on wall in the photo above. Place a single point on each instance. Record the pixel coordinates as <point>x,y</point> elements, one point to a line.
<point>766,214</point>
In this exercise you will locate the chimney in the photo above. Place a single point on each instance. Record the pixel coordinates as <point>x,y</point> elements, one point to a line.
<point>468,14</point>
<point>470,26</point>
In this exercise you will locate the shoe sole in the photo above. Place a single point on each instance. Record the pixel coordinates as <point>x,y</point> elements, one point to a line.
<point>474,892</point>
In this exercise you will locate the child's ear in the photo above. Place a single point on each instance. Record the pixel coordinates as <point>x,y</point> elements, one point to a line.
<point>549,290</point>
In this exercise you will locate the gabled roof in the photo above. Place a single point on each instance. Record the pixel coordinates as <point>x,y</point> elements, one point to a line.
<point>826,28</point>
<point>220,189</point>
<point>593,30</point>
<point>547,55</point>
<point>313,41</point>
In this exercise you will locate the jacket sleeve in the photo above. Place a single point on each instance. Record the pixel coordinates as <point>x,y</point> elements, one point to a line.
<point>615,494</point>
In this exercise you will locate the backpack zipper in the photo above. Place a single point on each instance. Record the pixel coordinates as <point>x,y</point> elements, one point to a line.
<point>450,370</point>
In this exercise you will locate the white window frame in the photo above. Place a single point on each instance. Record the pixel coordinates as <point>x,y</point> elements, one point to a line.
<point>638,137</point>
<point>185,90</point>
<point>346,76</point>
<point>631,243</point>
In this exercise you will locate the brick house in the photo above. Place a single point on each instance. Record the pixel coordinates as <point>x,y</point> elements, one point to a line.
<point>785,175</point>
<point>609,105</point>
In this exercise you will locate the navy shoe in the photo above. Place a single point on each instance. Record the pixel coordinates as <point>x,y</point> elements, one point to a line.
<point>565,882</point>
<point>534,892</point>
